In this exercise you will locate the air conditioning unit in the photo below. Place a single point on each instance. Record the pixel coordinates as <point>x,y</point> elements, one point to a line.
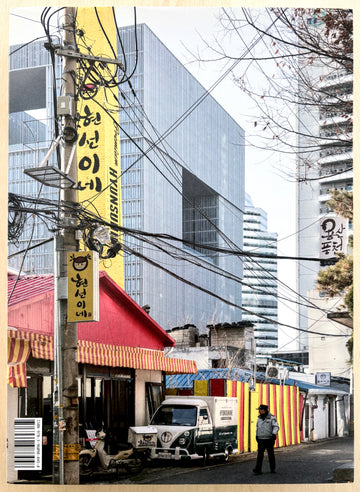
<point>272,371</point>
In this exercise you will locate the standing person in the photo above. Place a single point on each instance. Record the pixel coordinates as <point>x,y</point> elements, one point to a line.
<point>266,432</point>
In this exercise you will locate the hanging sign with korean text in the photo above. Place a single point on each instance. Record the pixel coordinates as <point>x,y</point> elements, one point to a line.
<point>98,145</point>
<point>333,236</point>
<point>83,286</point>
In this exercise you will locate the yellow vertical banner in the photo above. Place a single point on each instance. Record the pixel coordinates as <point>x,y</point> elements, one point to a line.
<point>254,403</point>
<point>292,414</point>
<point>298,419</point>
<point>98,144</point>
<point>246,417</point>
<point>83,286</point>
<point>229,388</point>
<point>240,417</point>
<point>200,388</point>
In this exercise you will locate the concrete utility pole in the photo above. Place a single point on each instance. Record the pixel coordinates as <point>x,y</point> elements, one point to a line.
<point>66,409</point>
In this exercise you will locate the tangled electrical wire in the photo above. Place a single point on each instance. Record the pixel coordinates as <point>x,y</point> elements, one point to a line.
<point>93,75</point>
<point>21,207</point>
<point>17,218</point>
<point>90,223</point>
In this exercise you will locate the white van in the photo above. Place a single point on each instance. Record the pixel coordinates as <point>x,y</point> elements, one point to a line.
<point>193,427</point>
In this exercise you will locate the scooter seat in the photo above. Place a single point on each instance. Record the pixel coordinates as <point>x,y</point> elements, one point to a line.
<point>123,454</point>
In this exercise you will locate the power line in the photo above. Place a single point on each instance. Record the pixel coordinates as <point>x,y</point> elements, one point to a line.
<point>220,231</point>
<point>173,251</point>
<point>178,122</point>
<point>230,303</point>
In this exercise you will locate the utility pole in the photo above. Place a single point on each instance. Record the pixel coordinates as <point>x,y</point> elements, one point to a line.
<point>66,409</point>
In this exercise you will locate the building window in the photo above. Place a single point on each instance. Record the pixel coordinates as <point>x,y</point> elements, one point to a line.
<point>200,215</point>
<point>154,396</point>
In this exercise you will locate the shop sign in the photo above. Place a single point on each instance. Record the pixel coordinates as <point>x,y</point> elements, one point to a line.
<point>323,378</point>
<point>333,236</point>
<point>98,146</point>
<point>83,286</point>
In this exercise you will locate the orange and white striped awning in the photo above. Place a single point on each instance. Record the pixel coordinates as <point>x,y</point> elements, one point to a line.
<point>42,347</point>
<point>134,357</point>
<point>18,351</point>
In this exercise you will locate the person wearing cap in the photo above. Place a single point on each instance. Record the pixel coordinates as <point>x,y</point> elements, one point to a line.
<point>267,428</point>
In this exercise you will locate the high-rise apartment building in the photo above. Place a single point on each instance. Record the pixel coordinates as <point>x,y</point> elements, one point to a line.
<point>324,162</point>
<point>190,184</point>
<point>260,278</point>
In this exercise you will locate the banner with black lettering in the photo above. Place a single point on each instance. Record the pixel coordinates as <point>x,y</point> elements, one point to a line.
<point>98,147</point>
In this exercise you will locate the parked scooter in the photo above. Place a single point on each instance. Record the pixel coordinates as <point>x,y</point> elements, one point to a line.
<point>94,460</point>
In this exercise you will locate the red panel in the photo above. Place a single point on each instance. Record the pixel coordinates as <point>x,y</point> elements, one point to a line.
<point>233,388</point>
<point>119,325</point>
<point>122,321</point>
<point>296,423</point>
<point>217,387</point>
<point>35,314</point>
<point>185,392</point>
<point>241,420</point>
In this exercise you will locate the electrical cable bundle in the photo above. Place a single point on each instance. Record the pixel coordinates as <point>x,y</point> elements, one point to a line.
<point>16,220</point>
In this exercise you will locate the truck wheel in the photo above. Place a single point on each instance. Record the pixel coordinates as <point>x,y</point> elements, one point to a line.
<point>226,455</point>
<point>205,457</point>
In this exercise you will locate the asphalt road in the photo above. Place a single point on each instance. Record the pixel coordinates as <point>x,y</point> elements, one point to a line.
<point>303,463</point>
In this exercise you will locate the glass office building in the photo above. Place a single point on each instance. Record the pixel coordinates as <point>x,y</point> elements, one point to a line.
<point>192,171</point>
<point>260,279</point>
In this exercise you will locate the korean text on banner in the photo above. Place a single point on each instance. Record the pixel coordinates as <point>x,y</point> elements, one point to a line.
<point>83,286</point>
<point>98,148</point>
<point>333,236</point>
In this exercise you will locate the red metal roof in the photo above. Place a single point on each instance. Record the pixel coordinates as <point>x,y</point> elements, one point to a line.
<point>28,287</point>
<point>122,321</point>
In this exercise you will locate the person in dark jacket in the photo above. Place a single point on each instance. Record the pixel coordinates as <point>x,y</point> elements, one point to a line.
<point>267,428</point>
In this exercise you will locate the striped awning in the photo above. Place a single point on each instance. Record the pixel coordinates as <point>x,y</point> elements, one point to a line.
<point>18,351</point>
<point>42,347</point>
<point>134,357</point>
<point>17,376</point>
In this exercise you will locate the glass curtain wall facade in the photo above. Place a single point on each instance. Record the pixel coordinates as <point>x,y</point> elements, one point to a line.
<point>193,162</point>
<point>260,279</point>
<point>192,175</point>
<point>30,138</point>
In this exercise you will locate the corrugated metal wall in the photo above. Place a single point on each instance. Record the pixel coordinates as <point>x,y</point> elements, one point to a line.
<point>283,402</point>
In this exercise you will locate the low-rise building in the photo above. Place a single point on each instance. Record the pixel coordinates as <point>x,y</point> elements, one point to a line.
<point>226,345</point>
<point>122,366</point>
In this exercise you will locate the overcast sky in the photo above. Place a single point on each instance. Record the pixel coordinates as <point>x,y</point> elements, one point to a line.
<point>183,30</point>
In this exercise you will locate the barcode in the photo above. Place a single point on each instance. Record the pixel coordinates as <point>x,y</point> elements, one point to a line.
<point>27,444</point>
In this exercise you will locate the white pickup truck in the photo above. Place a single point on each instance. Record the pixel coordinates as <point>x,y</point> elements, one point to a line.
<point>195,427</point>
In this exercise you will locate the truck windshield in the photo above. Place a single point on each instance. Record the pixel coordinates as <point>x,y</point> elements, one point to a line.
<point>175,415</point>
